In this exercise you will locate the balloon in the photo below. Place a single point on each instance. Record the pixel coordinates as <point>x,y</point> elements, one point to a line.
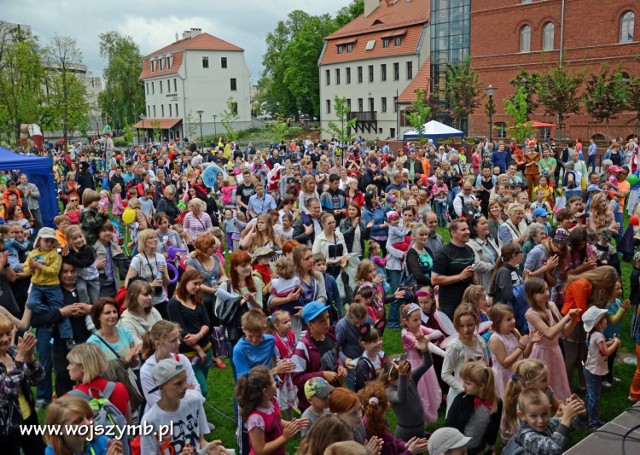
<point>129,215</point>
<point>182,205</point>
<point>125,204</point>
<point>633,219</point>
<point>632,179</point>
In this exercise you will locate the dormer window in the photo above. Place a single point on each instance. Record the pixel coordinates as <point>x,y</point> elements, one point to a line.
<point>340,48</point>
<point>386,42</point>
<point>350,47</point>
<point>153,65</point>
<point>398,40</point>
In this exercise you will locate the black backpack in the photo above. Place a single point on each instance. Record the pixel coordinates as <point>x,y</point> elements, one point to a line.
<point>468,210</point>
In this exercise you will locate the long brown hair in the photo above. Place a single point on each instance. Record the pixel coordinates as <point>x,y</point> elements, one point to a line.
<point>181,291</point>
<point>507,252</point>
<point>603,280</point>
<point>239,258</point>
<point>482,375</point>
<point>260,239</point>
<point>534,286</point>
<point>203,242</point>
<point>298,254</point>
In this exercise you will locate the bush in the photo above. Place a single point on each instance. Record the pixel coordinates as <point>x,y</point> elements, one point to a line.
<point>120,141</point>
<point>294,132</point>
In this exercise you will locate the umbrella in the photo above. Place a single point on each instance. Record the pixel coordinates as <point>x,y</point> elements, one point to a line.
<point>541,124</point>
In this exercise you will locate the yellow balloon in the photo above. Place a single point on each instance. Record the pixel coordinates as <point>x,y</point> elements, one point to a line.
<point>129,215</point>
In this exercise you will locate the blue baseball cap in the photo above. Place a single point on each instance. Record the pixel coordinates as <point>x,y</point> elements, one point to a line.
<point>540,212</point>
<point>313,309</point>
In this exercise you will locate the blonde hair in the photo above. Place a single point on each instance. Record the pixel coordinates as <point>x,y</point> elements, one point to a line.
<point>473,293</point>
<point>365,267</point>
<point>532,397</point>
<point>144,236</point>
<point>70,233</point>
<point>5,324</point>
<point>482,375</point>
<point>285,268</point>
<point>603,281</point>
<point>524,373</point>
<point>134,203</point>
<point>91,358</point>
<point>254,320</point>
<point>58,412</point>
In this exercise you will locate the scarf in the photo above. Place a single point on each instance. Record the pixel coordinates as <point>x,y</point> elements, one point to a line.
<point>265,271</point>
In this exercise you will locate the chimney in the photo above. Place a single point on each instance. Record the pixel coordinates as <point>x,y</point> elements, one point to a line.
<point>370,6</point>
<point>191,33</point>
<point>177,37</point>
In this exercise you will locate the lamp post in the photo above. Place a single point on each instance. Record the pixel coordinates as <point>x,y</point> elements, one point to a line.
<point>490,90</point>
<point>215,131</point>
<point>200,112</point>
<point>142,117</point>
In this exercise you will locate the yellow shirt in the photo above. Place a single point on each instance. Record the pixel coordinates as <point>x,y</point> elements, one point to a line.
<point>48,275</point>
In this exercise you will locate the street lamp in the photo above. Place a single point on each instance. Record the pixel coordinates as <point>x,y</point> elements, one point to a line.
<point>490,90</point>
<point>200,112</point>
<point>215,131</point>
<point>142,117</point>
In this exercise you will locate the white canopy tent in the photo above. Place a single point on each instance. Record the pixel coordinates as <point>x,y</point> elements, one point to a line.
<point>433,130</point>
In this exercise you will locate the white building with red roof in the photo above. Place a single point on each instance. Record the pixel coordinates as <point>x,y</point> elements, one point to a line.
<point>376,62</point>
<point>188,83</point>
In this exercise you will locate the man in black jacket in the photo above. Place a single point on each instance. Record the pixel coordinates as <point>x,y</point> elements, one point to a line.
<point>306,227</point>
<point>118,178</point>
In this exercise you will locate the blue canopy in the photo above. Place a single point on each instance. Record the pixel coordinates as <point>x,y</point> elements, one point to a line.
<point>39,171</point>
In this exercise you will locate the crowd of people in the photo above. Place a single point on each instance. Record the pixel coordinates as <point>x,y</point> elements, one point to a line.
<point>293,261</point>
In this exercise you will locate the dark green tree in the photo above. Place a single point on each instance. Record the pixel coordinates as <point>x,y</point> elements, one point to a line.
<point>527,82</point>
<point>633,101</point>
<point>463,90</point>
<point>348,13</point>
<point>558,93</point>
<point>606,94</point>
<point>122,99</point>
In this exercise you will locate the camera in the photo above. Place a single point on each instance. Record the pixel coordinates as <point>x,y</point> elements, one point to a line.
<point>157,291</point>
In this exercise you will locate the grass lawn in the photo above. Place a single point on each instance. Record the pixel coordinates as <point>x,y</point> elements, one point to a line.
<point>219,407</point>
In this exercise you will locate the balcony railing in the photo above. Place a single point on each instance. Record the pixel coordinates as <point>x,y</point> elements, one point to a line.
<point>363,116</point>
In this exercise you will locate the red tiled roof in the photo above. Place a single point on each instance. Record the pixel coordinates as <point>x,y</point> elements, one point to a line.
<point>402,13</point>
<point>162,123</point>
<point>403,18</point>
<point>201,42</point>
<point>420,81</point>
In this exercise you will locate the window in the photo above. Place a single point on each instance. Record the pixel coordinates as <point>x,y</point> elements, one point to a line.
<point>168,85</point>
<point>396,71</point>
<point>153,65</point>
<point>234,84</point>
<point>398,41</point>
<point>160,64</point>
<point>500,129</point>
<point>371,105</point>
<point>383,104</point>
<point>350,47</point>
<point>160,85</point>
<point>223,62</point>
<point>349,103</point>
<point>348,75</point>
<point>359,75</point>
<point>370,45</point>
<point>337,76</point>
<point>169,62</point>
<point>328,106</point>
<point>386,42</point>
<point>627,24</point>
<point>409,70</point>
<point>370,73</point>
<point>148,110</point>
<point>234,107</point>
<point>177,113</point>
<point>162,110</point>
<point>383,72</point>
<point>205,62</point>
<point>175,85</point>
<point>147,87</point>
<point>395,106</point>
<point>170,110</point>
<point>548,33</point>
<point>340,47</point>
<point>154,111</point>
<point>525,39</point>
<point>327,75</point>
<point>153,88</point>
<point>360,104</point>
<point>392,132</point>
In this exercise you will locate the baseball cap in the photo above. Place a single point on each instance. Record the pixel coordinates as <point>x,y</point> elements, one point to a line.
<point>313,309</point>
<point>317,387</point>
<point>594,187</point>
<point>540,212</point>
<point>164,371</point>
<point>392,215</point>
<point>392,199</point>
<point>591,317</point>
<point>445,439</point>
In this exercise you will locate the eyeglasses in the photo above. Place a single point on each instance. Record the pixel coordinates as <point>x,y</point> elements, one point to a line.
<point>73,200</point>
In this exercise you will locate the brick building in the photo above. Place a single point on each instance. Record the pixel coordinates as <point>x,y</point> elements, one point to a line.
<point>508,36</point>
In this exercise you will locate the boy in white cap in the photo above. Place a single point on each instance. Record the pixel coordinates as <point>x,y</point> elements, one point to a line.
<point>179,412</point>
<point>448,441</point>
<point>596,366</point>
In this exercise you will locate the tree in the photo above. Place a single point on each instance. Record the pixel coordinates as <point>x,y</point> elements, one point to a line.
<point>633,102</point>
<point>279,130</point>
<point>518,107</point>
<point>348,13</point>
<point>527,82</point>
<point>228,116</point>
<point>606,95</point>
<point>558,93</point>
<point>22,79</point>
<point>122,99</point>
<point>157,131</point>
<point>342,129</point>
<point>463,90</point>
<point>418,114</point>
<point>67,92</point>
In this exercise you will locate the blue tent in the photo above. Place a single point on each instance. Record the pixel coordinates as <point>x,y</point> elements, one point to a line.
<point>39,171</point>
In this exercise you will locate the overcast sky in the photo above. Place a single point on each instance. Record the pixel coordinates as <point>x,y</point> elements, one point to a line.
<point>153,24</point>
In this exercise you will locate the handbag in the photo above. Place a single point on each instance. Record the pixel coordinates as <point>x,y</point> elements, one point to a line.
<point>123,263</point>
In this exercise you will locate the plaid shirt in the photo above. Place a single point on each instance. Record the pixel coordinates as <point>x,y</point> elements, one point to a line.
<point>23,375</point>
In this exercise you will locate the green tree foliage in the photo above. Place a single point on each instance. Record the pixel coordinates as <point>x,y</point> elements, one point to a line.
<point>279,130</point>
<point>342,129</point>
<point>606,94</point>
<point>558,92</point>
<point>418,114</point>
<point>527,82</point>
<point>228,116</point>
<point>633,101</point>
<point>290,84</point>
<point>122,99</point>
<point>22,77</point>
<point>518,107</point>
<point>66,92</point>
<point>463,90</point>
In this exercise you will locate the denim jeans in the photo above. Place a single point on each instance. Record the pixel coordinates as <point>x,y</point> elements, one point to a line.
<point>44,389</point>
<point>393,316</point>
<point>52,295</point>
<point>592,402</point>
<point>591,161</point>
<point>441,210</point>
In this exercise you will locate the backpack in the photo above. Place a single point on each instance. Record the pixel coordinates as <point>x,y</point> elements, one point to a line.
<point>104,412</point>
<point>468,210</point>
<point>220,342</point>
<point>575,183</point>
<point>518,303</point>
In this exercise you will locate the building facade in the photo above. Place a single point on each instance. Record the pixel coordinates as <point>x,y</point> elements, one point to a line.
<point>189,83</point>
<point>371,62</point>
<point>508,36</point>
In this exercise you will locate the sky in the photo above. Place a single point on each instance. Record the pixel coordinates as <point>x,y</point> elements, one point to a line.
<point>153,24</point>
